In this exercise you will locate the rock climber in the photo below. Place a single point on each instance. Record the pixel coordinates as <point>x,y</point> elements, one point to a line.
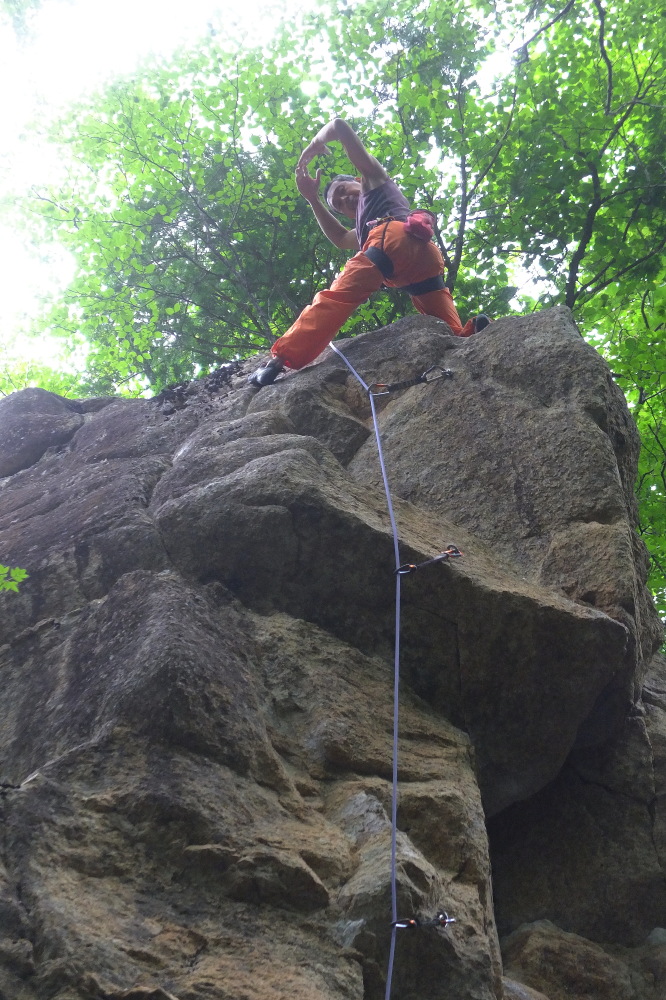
<point>395,249</point>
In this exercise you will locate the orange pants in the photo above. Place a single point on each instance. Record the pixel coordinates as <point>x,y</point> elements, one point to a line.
<point>413,260</point>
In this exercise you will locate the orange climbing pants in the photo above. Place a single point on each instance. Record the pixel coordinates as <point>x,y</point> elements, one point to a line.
<point>413,261</point>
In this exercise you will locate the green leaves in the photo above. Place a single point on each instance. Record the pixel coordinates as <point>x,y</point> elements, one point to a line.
<point>11,578</point>
<point>193,246</point>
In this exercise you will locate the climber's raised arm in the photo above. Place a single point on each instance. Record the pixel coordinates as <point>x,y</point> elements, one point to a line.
<point>371,171</point>
<point>343,193</point>
<point>308,186</point>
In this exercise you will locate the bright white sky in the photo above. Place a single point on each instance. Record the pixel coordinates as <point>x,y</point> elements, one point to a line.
<point>75,46</point>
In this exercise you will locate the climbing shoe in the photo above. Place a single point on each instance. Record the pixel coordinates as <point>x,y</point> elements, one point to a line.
<point>267,374</point>
<point>481,322</point>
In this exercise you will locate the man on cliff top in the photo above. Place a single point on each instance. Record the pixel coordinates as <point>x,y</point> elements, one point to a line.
<point>393,247</point>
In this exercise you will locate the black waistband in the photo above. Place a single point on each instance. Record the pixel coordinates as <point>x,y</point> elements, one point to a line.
<point>421,287</point>
<point>382,260</point>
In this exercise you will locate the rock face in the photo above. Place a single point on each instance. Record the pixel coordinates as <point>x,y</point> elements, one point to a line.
<point>196,728</point>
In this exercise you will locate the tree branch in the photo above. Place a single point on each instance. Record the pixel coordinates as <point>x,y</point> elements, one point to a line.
<point>604,55</point>
<point>643,399</point>
<point>625,270</point>
<point>644,298</point>
<point>498,147</point>
<point>522,49</point>
<point>583,243</point>
<point>398,109</point>
<point>464,196</point>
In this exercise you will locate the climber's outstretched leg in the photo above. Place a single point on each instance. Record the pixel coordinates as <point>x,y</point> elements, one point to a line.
<point>440,304</point>
<point>319,322</point>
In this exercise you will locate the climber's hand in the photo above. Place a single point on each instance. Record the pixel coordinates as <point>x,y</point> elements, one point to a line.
<point>306,184</point>
<point>316,148</point>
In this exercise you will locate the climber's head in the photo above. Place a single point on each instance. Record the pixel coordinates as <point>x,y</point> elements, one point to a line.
<point>342,194</point>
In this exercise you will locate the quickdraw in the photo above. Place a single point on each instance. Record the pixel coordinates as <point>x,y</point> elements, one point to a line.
<point>431,374</point>
<point>450,552</point>
<point>442,919</point>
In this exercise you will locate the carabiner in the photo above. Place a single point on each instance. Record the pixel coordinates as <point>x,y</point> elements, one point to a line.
<point>443,373</point>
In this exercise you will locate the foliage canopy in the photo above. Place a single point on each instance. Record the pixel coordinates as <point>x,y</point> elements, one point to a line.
<point>536,131</point>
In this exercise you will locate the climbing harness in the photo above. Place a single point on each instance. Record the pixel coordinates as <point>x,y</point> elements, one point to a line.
<point>451,552</point>
<point>421,225</point>
<point>378,255</point>
<point>442,919</point>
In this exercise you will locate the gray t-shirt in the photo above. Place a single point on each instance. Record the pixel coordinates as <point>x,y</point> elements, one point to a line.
<point>387,199</point>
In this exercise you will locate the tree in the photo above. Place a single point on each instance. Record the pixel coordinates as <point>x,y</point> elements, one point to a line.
<point>19,14</point>
<point>194,247</point>
<point>193,244</point>
<point>580,189</point>
<point>183,260</point>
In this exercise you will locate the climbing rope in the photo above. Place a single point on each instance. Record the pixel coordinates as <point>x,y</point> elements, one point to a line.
<point>451,552</point>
